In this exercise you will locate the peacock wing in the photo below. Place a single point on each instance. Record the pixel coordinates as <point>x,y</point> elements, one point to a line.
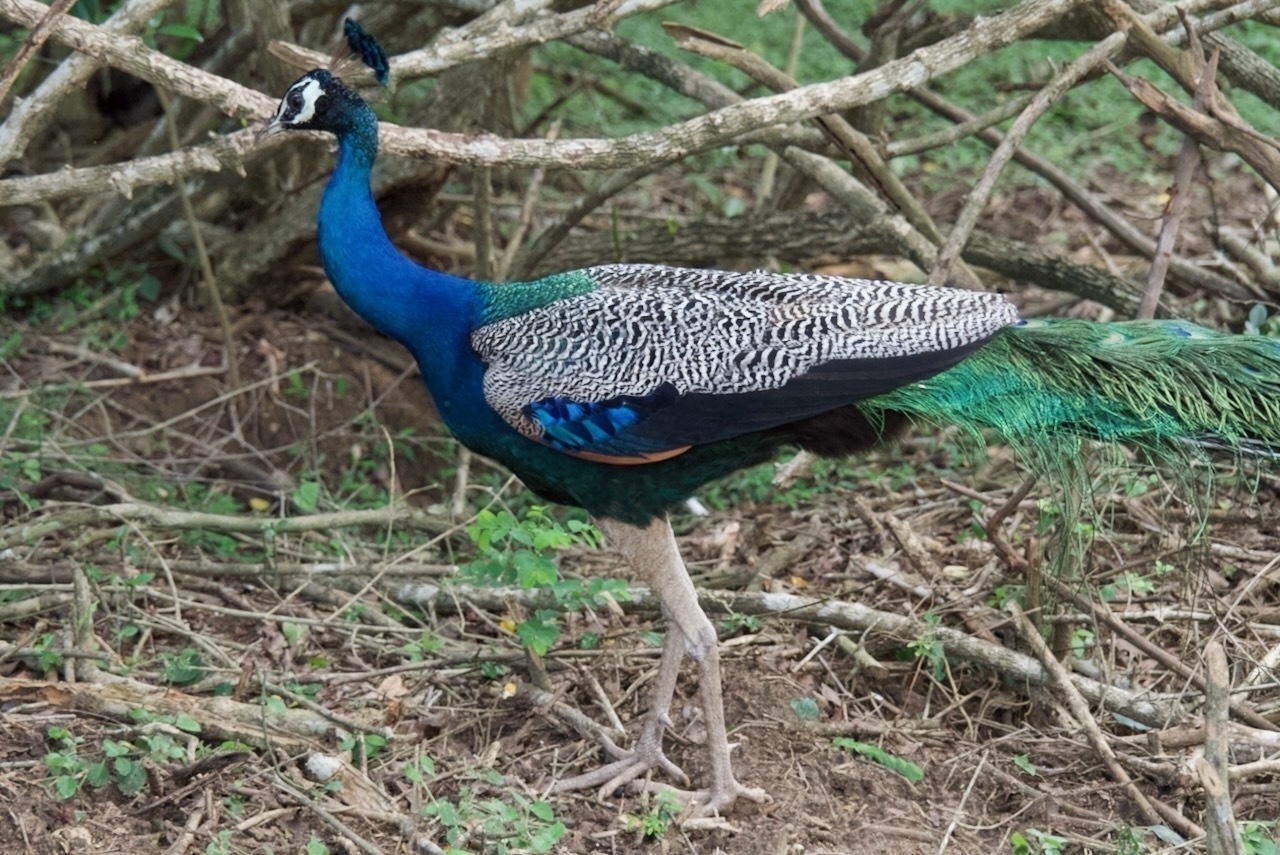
<point>651,360</point>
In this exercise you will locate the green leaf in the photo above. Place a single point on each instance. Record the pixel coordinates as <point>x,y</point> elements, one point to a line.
<point>542,811</point>
<point>1021,761</point>
<point>98,775</point>
<point>182,31</point>
<point>316,846</point>
<point>545,839</point>
<point>149,288</point>
<point>447,812</point>
<point>132,776</point>
<point>876,754</point>
<point>306,496</point>
<point>65,786</point>
<point>533,570</point>
<point>538,633</point>
<point>111,748</point>
<point>293,633</point>
<point>186,723</point>
<point>806,709</point>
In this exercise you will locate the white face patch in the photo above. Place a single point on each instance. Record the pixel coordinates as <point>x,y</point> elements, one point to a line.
<point>299,104</point>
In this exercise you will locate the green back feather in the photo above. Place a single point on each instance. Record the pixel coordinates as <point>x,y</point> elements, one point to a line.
<point>502,301</point>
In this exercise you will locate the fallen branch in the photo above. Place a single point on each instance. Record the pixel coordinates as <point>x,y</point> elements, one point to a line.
<point>220,719</point>
<point>158,517</point>
<point>835,613</point>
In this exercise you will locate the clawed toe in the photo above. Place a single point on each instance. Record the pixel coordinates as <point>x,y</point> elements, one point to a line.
<point>635,764</point>
<point>702,804</point>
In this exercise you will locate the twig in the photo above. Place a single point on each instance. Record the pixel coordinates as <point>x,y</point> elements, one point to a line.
<point>206,269</point>
<point>664,146</point>
<point>959,811</point>
<point>1163,16</point>
<point>527,208</point>
<point>1223,833</point>
<point>1159,654</point>
<point>166,518</point>
<point>1188,159</point>
<point>326,817</point>
<point>35,39</point>
<point>850,616</point>
<point>220,718</point>
<point>981,193</point>
<point>855,143</point>
<point>33,113</point>
<point>1080,710</point>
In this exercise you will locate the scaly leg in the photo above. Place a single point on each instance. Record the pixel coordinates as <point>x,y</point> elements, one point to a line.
<point>653,554</point>
<point>648,751</point>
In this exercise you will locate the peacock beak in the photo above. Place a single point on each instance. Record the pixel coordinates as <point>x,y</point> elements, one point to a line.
<point>269,130</point>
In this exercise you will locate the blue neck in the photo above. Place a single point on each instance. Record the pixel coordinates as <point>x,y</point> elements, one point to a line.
<point>427,311</point>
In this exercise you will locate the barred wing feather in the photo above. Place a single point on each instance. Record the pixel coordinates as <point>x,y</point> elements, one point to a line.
<point>655,359</point>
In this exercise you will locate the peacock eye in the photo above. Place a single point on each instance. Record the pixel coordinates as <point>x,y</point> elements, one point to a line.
<point>295,100</point>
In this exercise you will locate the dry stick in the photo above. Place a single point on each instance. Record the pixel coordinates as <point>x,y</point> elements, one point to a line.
<point>660,146</point>
<point>855,143</point>
<point>15,534</point>
<point>1223,834</point>
<point>1103,615</point>
<point>1188,158</point>
<point>35,39</point>
<point>981,193</point>
<point>527,209</point>
<point>1086,201</point>
<point>325,816</point>
<point>958,131</point>
<point>206,269</point>
<point>839,614</point>
<point>654,147</point>
<point>555,235</point>
<point>482,39</point>
<point>769,170</point>
<point>1080,710</point>
<point>995,534</point>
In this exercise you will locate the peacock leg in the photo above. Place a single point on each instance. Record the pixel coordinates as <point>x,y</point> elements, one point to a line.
<point>647,754</point>
<point>652,552</point>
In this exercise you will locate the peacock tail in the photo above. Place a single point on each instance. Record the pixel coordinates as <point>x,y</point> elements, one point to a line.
<point>1168,387</point>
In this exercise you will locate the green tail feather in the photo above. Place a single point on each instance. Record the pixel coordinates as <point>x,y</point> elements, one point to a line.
<point>1164,386</point>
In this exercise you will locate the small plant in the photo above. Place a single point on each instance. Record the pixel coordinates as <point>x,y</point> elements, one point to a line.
<point>1024,763</point>
<point>1082,640</point>
<point>929,648</point>
<point>520,553</point>
<point>123,761</point>
<point>1259,838</point>
<point>662,812</point>
<point>1040,843</point>
<point>1132,583</point>
<point>364,746</point>
<point>181,668</point>
<point>506,827</point>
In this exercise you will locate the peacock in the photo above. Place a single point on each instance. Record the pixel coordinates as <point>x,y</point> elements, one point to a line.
<point>623,388</point>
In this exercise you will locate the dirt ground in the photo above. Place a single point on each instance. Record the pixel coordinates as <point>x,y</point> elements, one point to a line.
<point>464,741</point>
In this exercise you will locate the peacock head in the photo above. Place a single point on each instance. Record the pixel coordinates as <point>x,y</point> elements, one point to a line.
<point>317,101</point>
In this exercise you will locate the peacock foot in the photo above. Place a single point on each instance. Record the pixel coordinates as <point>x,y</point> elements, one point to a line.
<point>719,799</point>
<point>700,804</point>
<point>647,756</point>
